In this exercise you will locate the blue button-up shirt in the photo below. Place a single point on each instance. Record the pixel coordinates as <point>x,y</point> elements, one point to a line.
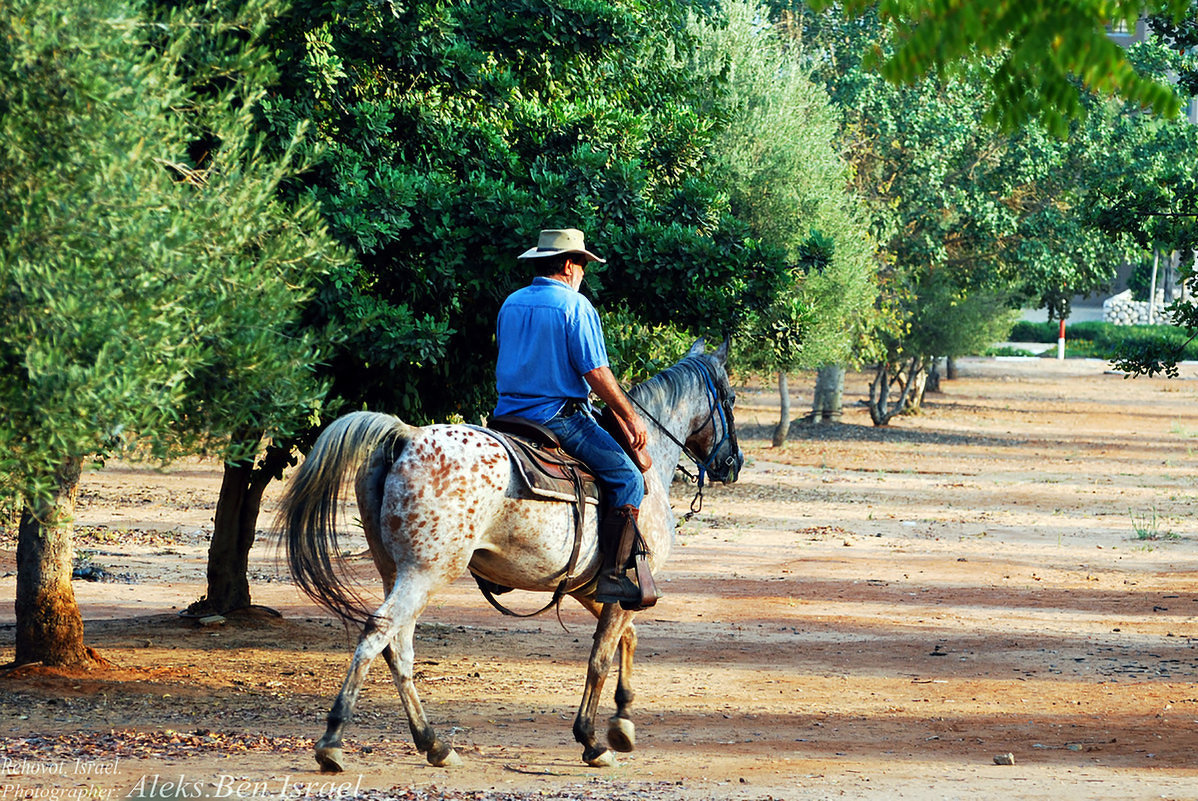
<point>549,336</point>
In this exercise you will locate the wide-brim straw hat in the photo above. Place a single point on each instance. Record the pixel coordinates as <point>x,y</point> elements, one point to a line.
<point>558,241</point>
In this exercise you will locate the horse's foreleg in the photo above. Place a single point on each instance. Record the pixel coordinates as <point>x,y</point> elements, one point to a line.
<point>400,658</point>
<point>613,622</point>
<point>376,636</point>
<point>621,733</point>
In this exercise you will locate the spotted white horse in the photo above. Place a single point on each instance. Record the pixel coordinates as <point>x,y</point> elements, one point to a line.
<point>436,500</point>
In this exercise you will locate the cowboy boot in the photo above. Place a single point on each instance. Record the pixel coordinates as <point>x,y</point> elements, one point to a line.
<point>618,538</point>
<point>615,541</point>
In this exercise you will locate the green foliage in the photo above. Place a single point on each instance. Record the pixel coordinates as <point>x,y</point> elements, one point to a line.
<point>1120,343</point>
<point>1043,51</point>
<point>1147,526</point>
<point>1041,61</point>
<point>1180,31</point>
<point>777,152</point>
<point>1025,331</point>
<point>1150,195</point>
<point>950,319</point>
<point>973,222</point>
<point>447,135</point>
<point>144,292</point>
<point>1007,350</point>
<point>1158,352</point>
<point>642,350</point>
<point>1140,280</point>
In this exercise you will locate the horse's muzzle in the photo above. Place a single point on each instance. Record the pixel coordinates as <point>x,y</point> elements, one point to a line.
<point>731,467</point>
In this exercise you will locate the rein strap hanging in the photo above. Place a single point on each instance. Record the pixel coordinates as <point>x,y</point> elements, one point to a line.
<point>716,404</point>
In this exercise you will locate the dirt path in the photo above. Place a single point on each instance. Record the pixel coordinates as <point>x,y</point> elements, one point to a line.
<point>868,613</point>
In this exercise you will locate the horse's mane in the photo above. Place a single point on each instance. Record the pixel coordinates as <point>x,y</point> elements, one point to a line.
<point>667,389</point>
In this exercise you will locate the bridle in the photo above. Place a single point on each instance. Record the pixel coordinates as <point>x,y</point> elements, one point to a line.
<point>719,405</point>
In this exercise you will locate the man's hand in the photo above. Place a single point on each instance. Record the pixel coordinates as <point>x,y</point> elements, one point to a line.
<point>609,391</point>
<point>634,430</point>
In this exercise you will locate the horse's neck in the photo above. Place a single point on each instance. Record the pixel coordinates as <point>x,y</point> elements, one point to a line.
<point>665,457</point>
<point>674,410</point>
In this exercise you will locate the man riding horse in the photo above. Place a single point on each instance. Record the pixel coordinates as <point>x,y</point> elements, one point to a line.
<point>551,356</point>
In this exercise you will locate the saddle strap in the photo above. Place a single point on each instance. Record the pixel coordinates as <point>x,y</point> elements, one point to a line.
<point>564,585</point>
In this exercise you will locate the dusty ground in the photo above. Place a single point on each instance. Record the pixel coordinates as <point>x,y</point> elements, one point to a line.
<point>867,614</point>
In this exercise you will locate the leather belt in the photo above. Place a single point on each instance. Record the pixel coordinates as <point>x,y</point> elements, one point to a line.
<point>572,408</point>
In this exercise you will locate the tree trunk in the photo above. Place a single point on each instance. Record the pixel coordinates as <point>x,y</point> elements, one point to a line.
<point>49,626</point>
<point>950,368</point>
<point>933,384</point>
<point>918,385</point>
<point>828,403</point>
<point>1171,277</point>
<point>783,428</point>
<point>234,530</point>
<point>879,394</point>
<point>881,410</point>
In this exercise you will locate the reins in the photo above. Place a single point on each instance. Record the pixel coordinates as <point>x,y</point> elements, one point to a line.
<point>718,403</point>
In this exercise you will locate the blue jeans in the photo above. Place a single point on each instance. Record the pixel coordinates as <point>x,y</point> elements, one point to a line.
<point>582,437</point>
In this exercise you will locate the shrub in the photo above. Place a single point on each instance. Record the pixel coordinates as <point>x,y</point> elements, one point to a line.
<point>1140,281</point>
<point>1101,340</point>
<point>1033,332</point>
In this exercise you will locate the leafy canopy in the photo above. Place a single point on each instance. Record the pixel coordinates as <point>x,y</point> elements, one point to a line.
<point>778,154</point>
<point>1043,50</point>
<point>450,134</point>
<point>973,221</point>
<point>129,269</point>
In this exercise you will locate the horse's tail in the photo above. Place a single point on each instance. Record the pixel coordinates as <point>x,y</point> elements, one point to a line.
<point>308,513</point>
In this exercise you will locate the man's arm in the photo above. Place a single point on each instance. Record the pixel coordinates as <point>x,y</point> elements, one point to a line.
<point>609,391</point>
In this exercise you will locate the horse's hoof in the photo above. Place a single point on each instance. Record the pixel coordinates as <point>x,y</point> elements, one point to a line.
<point>330,760</point>
<point>621,734</point>
<point>450,760</point>
<point>604,759</point>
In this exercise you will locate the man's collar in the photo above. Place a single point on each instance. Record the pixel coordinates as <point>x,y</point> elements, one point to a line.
<point>542,280</point>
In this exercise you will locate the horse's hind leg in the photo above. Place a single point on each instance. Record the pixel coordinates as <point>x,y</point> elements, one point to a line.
<point>399,652</point>
<point>376,637</point>
<point>400,658</point>
<point>621,732</point>
<point>389,632</point>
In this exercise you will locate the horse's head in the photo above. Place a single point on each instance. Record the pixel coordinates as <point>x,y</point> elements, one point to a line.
<point>714,442</point>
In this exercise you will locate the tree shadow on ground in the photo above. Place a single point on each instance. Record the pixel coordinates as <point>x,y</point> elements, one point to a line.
<point>802,429</point>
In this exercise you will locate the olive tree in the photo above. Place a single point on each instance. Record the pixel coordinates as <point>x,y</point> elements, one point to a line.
<point>130,265</point>
<point>778,153</point>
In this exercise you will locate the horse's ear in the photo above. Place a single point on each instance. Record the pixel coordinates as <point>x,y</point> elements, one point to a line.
<point>721,352</point>
<point>697,349</point>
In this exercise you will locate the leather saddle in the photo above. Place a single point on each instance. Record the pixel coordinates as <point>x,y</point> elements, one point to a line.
<point>546,472</point>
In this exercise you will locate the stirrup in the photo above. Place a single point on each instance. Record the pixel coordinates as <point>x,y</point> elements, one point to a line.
<point>620,589</point>
<point>646,588</point>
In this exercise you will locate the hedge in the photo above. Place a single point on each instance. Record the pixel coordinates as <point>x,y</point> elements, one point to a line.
<point>1103,339</point>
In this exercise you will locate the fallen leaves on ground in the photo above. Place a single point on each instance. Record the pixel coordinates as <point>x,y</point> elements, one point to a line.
<point>130,744</point>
